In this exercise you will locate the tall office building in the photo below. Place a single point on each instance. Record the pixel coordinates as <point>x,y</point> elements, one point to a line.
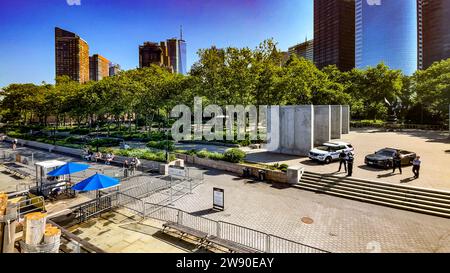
<point>71,56</point>
<point>98,67</point>
<point>114,69</point>
<point>154,53</point>
<point>334,33</point>
<point>433,31</point>
<point>177,55</point>
<point>150,53</point>
<point>303,50</point>
<point>386,31</point>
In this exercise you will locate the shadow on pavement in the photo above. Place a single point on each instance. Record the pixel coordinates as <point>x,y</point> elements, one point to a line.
<point>386,175</point>
<point>204,212</point>
<point>367,168</point>
<point>407,180</point>
<point>430,136</point>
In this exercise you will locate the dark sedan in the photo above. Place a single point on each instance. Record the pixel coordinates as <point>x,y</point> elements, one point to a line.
<point>384,158</point>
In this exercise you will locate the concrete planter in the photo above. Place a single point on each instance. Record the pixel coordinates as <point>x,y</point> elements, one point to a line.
<point>271,175</point>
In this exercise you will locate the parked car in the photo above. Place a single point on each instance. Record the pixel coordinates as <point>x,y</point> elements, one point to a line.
<point>330,151</point>
<point>384,158</point>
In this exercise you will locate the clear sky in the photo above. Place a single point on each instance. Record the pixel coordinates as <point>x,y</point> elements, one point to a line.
<point>115,28</point>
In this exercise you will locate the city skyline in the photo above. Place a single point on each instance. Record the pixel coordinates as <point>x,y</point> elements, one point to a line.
<point>122,26</point>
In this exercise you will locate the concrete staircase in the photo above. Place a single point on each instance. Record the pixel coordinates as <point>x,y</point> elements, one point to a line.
<point>421,200</point>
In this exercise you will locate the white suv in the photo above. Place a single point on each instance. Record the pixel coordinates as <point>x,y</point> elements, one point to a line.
<point>330,151</point>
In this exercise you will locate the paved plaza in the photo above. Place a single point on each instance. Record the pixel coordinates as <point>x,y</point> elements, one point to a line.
<point>433,147</point>
<point>339,225</point>
<point>116,232</point>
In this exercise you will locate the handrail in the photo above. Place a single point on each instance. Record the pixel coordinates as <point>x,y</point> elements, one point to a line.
<point>88,246</point>
<point>267,236</point>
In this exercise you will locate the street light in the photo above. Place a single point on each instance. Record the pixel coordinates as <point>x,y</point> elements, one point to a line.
<point>96,142</point>
<point>167,138</point>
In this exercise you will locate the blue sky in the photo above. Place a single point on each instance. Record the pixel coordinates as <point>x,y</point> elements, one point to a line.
<point>115,28</point>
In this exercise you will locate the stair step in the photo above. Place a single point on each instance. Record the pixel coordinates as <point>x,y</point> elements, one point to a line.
<point>381,198</point>
<point>375,190</point>
<point>381,185</point>
<point>375,201</point>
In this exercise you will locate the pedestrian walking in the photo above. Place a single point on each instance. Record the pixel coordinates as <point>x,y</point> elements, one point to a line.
<point>350,160</point>
<point>416,167</point>
<point>342,161</point>
<point>397,163</point>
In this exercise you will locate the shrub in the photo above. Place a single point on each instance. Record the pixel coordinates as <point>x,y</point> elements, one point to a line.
<point>283,167</point>
<point>161,145</point>
<point>105,142</point>
<point>234,155</point>
<point>203,154</point>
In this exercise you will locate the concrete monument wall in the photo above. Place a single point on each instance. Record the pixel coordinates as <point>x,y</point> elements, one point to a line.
<point>345,119</point>
<point>322,124</point>
<point>295,130</point>
<point>336,121</point>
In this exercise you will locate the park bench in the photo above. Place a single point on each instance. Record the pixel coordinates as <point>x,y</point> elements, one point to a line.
<point>184,230</point>
<point>230,245</point>
<point>13,168</point>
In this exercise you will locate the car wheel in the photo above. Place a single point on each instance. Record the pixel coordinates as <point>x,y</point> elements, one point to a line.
<point>328,160</point>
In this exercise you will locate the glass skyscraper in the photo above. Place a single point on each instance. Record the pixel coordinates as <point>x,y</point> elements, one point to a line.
<point>182,58</point>
<point>386,31</point>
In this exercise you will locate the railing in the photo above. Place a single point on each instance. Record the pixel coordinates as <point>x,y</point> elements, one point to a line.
<point>248,237</point>
<point>282,245</point>
<point>95,207</point>
<point>198,223</point>
<point>28,205</point>
<point>132,203</point>
<point>245,236</point>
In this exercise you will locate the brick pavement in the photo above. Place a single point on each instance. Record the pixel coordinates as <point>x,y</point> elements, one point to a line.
<point>340,225</point>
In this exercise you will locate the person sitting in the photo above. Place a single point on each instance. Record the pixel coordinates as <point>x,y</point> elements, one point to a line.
<point>98,156</point>
<point>109,158</point>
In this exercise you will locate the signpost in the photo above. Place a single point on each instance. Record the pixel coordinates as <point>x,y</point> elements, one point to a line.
<point>218,199</point>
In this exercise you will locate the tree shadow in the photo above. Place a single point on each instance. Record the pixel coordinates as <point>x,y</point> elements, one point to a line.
<point>429,136</point>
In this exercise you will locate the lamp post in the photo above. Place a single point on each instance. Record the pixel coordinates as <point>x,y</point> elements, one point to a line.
<point>167,139</point>
<point>54,133</point>
<point>96,142</point>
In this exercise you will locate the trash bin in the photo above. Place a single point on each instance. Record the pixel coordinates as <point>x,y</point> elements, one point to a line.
<point>261,175</point>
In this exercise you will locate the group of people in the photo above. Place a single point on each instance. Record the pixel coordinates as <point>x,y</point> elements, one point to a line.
<point>129,167</point>
<point>397,164</point>
<point>89,155</point>
<point>346,159</point>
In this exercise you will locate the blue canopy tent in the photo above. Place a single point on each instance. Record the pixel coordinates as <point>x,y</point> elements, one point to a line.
<point>68,169</point>
<point>96,182</point>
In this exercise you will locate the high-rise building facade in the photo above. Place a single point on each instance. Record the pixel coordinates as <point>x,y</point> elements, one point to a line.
<point>334,33</point>
<point>150,53</point>
<point>98,67</point>
<point>71,56</point>
<point>177,55</point>
<point>433,31</point>
<point>386,31</point>
<point>114,69</point>
<point>304,50</point>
